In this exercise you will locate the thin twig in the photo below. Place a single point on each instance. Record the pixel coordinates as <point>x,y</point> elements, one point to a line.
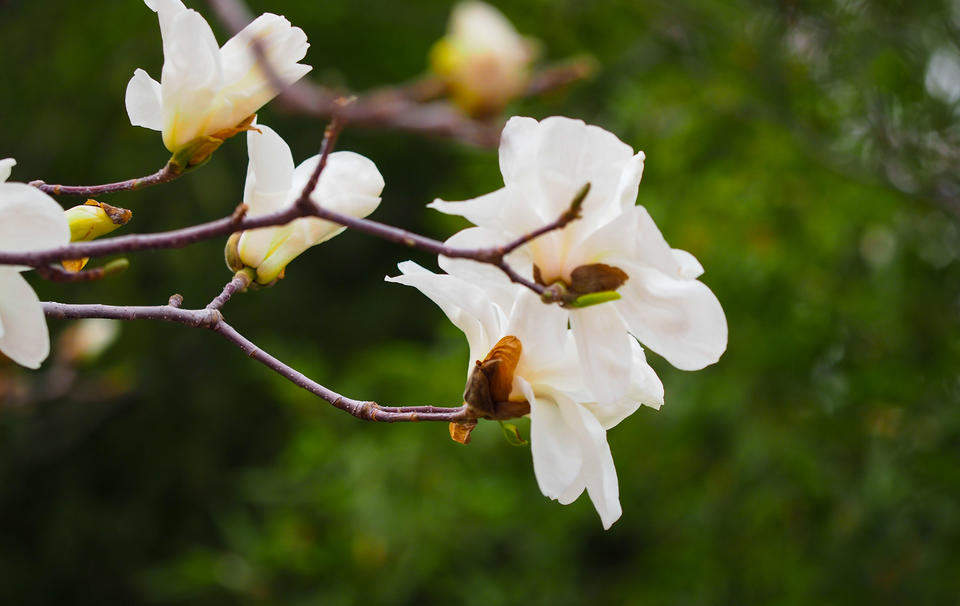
<point>213,319</point>
<point>241,280</point>
<point>164,175</point>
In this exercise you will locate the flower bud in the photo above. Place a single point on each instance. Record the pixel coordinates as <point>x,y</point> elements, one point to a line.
<point>484,62</point>
<point>349,184</point>
<point>91,220</point>
<point>85,340</point>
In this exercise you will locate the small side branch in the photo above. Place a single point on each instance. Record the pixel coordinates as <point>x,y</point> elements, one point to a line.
<point>164,175</point>
<point>212,319</point>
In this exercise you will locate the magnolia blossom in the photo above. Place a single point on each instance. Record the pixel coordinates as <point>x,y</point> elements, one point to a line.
<point>483,59</point>
<point>568,428</point>
<point>29,220</point>
<point>615,246</point>
<point>349,184</point>
<point>205,90</point>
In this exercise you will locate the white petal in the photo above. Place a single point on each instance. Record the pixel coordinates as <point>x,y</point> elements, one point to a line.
<point>689,267</point>
<point>349,184</point>
<point>25,340</point>
<point>680,319</point>
<point>518,143</point>
<point>604,348</point>
<point>503,211</point>
<point>556,451</point>
<point>144,104</point>
<point>191,78</point>
<point>30,219</point>
<point>542,330</point>
<point>599,472</point>
<point>571,154</point>
<point>645,389</point>
<point>464,304</point>
<point>6,165</point>
<point>269,172</point>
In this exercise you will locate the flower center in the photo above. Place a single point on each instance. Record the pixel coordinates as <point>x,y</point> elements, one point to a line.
<point>588,285</point>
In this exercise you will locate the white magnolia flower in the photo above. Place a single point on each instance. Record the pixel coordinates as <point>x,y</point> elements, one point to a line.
<point>544,165</point>
<point>483,59</point>
<point>29,220</point>
<point>568,428</point>
<point>349,184</point>
<point>205,90</point>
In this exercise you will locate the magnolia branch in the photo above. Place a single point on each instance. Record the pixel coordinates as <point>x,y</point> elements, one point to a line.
<point>164,175</point>
<point>304,207</point>
<point>211,318</point>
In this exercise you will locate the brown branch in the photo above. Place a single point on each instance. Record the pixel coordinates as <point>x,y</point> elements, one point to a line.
<point>241,280</point>
<point>213,320</point>
<point>164,175</point>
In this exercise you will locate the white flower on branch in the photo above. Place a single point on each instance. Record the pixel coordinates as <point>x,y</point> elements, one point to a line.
<point>29,219</point>
<point>482,59</point>
<point>614,253</point>
<point>567,426</point>
<point>207,93</point>
<point>349,184</point>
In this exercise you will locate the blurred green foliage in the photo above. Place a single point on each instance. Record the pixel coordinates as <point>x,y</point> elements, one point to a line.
<point>794,147</point>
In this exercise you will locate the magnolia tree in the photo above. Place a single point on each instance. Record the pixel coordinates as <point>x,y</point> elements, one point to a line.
<point>556,287</point>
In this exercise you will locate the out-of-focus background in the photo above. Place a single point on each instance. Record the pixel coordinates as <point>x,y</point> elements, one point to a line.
<point>806,152</point>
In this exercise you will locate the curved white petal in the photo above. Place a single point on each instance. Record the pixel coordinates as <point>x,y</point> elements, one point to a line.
<point>645,390</point>
<point>349,184</point>
<point>269,171</point>
<point>604,348</point>
<point>6,165</point>
<point>556,450</point>
<point>598,471</point>
<point>688,265</point>
<point>678,318</point>
<point>518,143</point>
<point>246,88</point>
<point>504,211</point>
<point>570,154</point>
<point>542,330</point>
<point>464,304</point>
<point>30,219</point>
<point>25,339</point>
<point>143,101</point>
<point>192,77</point>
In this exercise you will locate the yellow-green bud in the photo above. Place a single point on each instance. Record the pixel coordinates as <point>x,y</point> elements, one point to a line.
<point>94,219</point>
<point>91,220</point>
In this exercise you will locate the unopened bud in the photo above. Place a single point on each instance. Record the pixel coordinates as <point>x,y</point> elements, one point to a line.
<point>86,340</point>
<point>94,219</point>
<point>91,220</point>
<point>483,60</point>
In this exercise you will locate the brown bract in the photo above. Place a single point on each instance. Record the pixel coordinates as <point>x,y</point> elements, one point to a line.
<point>491,381</point>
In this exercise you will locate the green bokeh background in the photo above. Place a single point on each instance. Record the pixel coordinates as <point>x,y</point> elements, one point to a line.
<point>792,146</point>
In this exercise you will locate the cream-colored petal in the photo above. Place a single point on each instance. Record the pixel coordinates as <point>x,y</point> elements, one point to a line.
<point>143,101</point>
<point>30,219</point>
<point>679,318</point>
<point>25,339</point>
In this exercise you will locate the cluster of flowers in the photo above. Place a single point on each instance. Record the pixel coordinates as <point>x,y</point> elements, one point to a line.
<point>578,365</point>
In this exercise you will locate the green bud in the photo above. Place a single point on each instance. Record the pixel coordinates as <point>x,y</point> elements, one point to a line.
<point>94,219</point>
